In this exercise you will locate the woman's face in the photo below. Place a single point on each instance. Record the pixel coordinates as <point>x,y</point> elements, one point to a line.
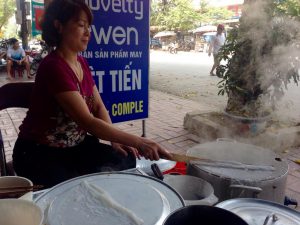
<point>75,34</point>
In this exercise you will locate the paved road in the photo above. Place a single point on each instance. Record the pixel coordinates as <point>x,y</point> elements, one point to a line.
<point>186,74</point>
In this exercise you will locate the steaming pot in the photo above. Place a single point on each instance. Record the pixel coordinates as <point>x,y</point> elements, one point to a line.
<point>251,171</point>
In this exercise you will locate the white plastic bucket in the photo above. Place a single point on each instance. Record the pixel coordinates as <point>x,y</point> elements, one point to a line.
<point>20,212</point>
<point>194,190</point>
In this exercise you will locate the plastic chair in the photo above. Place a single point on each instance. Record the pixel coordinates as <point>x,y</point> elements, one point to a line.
<point>12,95</point>
<point>19,69</point>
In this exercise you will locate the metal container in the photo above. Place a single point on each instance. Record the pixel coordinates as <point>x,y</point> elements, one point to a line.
<point>261,212</point>
<point>194,190</point>
<point>138,196</point>
<point>203,215</point>
<point>240,170</point>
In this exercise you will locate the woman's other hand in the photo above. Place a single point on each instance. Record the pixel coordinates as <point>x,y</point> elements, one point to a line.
<point>153,151</point>
<point>124,150</point>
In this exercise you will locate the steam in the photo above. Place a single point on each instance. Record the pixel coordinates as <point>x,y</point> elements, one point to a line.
<point>276,46</point>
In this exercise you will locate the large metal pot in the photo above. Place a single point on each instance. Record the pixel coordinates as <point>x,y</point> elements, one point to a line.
<point>251,171</point>
<point>108,198</point>
<point>202,214</point>
<point>261,212</point>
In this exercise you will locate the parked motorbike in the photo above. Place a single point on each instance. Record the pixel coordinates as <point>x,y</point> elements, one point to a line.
<point>35,58</point>
<point>4,43</point>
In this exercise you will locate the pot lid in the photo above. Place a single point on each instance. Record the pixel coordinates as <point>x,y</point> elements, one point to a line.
<point>128,199</point>
<point>239,161</point>
<point>163,165</point>
<point>256,211</point>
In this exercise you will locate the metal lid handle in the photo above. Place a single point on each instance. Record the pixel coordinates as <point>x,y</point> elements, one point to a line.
<point>274,218</point>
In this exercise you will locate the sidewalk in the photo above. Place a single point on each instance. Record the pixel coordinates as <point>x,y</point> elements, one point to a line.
<point>164,125</point>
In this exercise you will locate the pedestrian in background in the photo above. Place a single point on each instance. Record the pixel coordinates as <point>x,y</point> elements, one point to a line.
<point>59,137</point>
<point>215,45</point>
<point>16,57</point>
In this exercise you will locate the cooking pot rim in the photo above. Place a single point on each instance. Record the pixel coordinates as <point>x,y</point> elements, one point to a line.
<point>184,208</point>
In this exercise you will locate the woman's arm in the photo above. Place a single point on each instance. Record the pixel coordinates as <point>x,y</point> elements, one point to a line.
<point>74,105</point>
<point>99,109</point>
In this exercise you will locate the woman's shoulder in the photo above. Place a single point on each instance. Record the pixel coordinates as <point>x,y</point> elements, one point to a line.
<point>52,60</point>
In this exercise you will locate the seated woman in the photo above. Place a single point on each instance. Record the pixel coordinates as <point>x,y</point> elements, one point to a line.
<point>16,57</point>
<point>59,137</point>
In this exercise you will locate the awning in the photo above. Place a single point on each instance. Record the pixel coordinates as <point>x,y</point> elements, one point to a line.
<point>209,33</point>
<point>207,28</point>
<point>164,34</point>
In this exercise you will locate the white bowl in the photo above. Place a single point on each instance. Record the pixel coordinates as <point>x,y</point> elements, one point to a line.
<point>20,212</point>
<point>15,181</point>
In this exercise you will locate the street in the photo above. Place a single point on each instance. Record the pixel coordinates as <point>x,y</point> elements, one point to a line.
<point>186,74</point>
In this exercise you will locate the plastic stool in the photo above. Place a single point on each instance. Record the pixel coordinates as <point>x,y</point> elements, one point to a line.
<point>17,68</point>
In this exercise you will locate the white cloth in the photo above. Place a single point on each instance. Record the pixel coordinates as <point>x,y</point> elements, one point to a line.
<point>217,42</point>
<point>16,54</point>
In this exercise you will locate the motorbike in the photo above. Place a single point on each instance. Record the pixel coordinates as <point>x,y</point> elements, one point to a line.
<point>35,58</point>
<point>173,48</point>
<point>4,43</point>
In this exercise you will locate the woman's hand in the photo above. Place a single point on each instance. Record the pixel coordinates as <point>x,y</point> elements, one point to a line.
<point>151,150</point>
<point>124,150</point>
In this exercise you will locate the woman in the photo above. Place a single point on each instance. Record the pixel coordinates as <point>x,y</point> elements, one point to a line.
<point>53,144</point>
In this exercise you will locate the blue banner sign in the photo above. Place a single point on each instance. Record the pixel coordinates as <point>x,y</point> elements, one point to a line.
<point>118,55</point>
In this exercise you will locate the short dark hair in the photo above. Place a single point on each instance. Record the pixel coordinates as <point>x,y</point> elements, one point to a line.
<point>12,41</point>
<point>63,11</point>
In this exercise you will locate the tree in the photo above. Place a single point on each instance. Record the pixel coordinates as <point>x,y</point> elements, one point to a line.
<point>7,10</point>
<point>181,15</point>
<point>213,15</point>
<point>174,15</point>
<point>262,57</point>
<point>289,8</point>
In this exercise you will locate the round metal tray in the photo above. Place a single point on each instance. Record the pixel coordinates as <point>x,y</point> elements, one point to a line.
<point>148,198</point>
<point>255,211</point>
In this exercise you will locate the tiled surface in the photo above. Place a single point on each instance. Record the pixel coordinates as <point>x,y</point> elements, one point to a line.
<point>164,125</point>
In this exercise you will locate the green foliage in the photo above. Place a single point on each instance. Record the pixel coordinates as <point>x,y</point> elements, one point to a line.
<point>239,69</point>
<point>7,9</point>
<point>214,15</point>
<point>174,15</point>
<point>289,7</point>
<point>181,15</point>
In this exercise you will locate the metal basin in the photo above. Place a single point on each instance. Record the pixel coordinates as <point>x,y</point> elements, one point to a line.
<point>252,171</point>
